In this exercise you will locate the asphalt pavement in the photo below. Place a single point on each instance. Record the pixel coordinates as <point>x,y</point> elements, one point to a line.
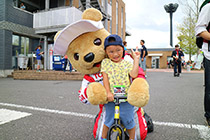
<point>51,110</point>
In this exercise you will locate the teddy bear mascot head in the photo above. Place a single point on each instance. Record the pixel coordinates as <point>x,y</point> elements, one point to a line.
<point>83,43</point>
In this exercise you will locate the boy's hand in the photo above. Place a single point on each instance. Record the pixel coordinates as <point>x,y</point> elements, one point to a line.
<point>136,54</point>
<point>110,97</point>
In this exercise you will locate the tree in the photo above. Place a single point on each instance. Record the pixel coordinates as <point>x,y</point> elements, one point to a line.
<point>193,6</point>
<point>186,35</point>
<point>186,30</point>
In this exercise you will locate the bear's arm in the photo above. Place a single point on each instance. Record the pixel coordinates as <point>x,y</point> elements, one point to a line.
<point>83,91</point>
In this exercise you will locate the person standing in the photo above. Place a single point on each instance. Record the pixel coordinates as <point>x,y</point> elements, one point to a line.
<point>201,30</point>
<point>22,6</point>
<point>177,54</point>
<point>125,47</point>
<point>65,62</point>
<point>182,58</point>
<point>143,56</point>
<point>39,57</point>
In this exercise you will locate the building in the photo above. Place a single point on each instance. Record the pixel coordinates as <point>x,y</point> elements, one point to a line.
<point>21,30</point>
<point>157,58</point>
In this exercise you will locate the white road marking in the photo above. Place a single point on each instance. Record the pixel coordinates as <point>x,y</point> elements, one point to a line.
<point>10,115</point>
<point>49,110</point>
<point>204,131</point>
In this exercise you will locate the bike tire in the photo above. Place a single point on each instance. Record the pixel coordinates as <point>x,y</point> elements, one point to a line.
<point>116,133</point>
<point>126,135</point>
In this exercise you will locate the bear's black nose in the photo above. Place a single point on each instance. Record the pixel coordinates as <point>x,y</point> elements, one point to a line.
<point>89,57</point>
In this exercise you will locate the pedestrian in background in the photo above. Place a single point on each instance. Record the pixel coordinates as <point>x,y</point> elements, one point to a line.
<point>22,6</point>
<point>143,56</point>
<point>127,56</point>
<point>39,57</point>
<point>125,47</point>
<point>182,59</point>
<point>177,54</point>
<point>65,62</point>
<point>201,30</point>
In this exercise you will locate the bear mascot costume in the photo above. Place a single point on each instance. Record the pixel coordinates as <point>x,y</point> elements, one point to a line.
<point>83,43</point>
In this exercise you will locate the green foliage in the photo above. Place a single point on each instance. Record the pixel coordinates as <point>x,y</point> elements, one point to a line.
<point>186,30</point>
<point>186,35</point>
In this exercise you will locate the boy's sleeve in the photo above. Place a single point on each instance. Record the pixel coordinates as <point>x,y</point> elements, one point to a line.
<point>104,65</point>
<point>129,66</point>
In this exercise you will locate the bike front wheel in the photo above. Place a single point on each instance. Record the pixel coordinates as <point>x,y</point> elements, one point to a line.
<point>116,133</point>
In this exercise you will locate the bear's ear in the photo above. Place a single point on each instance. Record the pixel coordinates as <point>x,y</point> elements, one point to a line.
<point>56,35</point>
<point>92,14</point>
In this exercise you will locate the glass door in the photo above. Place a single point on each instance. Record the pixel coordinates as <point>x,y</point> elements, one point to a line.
<point>20,48</point>
<point>155,62</point>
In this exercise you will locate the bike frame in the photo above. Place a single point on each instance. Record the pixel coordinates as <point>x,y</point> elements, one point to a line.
<point>116,124</point>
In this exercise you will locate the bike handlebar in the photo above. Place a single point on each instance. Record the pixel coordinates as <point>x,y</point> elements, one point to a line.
<point>120,97</point>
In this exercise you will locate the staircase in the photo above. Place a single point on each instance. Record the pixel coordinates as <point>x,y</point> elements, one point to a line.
<point>95,4</point>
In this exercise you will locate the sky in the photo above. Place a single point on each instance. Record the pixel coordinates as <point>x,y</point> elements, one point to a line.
<point>148,20</point>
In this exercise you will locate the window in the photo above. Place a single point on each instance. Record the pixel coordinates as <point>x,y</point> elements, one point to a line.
<point>69,2</point>
<point>110,27</point>
<point>56,3</point>
<point>61,3</point>
<point>15,40</point>
<point>21,44</point>
<point>24,45</point>
<point>116,17</point>
<point>103,3</point>
<point>122,22</point>
<point>15,3</point>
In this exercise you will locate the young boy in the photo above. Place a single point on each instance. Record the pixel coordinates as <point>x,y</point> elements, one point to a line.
<point>116,72</point>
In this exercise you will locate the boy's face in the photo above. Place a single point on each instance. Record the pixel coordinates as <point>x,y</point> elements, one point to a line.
<point>115,52</point>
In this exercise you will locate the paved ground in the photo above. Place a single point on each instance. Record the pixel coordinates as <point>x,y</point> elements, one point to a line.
<point>50,110</point>
<point>171,70</point>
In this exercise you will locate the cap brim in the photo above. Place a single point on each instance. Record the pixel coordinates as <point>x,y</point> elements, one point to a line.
<point>72,31</point>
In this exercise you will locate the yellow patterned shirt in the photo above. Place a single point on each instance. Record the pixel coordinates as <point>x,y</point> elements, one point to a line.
<point>118,73</point>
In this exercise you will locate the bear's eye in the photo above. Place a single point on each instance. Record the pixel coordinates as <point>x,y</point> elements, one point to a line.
<point>97,42</point>
<point>76,56</point>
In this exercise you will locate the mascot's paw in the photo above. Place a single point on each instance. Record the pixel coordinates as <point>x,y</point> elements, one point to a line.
<point>138,93</point>
<point>96,93</point>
